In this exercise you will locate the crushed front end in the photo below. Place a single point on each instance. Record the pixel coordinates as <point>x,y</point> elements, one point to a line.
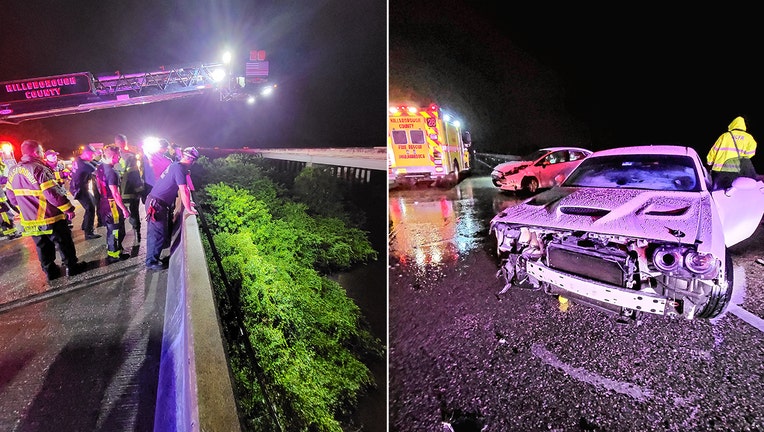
<point>622,275</point>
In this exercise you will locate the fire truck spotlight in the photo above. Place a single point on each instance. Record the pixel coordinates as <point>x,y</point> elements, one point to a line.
<point>218,74</point>
<point>266,91</point>
<point>150,145</point>
<point>227,57</point>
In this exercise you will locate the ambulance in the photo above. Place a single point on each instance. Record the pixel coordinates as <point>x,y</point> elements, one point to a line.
<point>426,144</point>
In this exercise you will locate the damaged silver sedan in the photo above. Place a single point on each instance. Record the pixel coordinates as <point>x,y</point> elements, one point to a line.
<point>631,230</point>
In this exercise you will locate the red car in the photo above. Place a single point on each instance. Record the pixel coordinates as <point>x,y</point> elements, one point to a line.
<point>538,169</point>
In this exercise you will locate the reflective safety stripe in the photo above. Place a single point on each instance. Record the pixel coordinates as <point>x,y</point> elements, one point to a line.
<point>114,210</point>
<point>39,222</point>
<point>35,232</point>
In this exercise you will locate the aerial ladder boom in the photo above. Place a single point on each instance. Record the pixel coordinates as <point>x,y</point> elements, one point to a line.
<point>36,98</point>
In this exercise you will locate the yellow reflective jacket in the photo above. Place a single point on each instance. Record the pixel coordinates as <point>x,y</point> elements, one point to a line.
<point>724,148</point>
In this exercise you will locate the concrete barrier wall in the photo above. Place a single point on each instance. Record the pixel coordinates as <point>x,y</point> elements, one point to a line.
<point>195,390</point>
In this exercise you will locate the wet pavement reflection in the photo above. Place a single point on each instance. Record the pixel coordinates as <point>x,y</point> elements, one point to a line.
<point>430,227</point>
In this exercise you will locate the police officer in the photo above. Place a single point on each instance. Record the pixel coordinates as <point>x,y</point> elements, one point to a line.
<point>45,210</point>
<point>730,156</point>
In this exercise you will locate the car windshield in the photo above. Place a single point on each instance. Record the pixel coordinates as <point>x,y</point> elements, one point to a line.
<point>650,172</point>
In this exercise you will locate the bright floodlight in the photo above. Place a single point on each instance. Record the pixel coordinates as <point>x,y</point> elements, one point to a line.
<point>7,148</point>
<point>218,74</point>
<point>227,57</point>
<point>150,145</point>
<point>457,123</point>
<point>266,91</point>
<point>251,100</point>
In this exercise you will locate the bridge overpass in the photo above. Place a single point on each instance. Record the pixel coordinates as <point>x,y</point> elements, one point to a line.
<point>118,347</point>
<point>372,158</point>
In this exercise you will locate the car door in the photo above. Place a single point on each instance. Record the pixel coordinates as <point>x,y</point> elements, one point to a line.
<point>740,209</point>
<point>556,163</point>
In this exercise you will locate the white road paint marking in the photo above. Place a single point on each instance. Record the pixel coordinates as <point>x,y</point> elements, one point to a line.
<point>639,393</point>
<point>746,316</point>
<point>738,296</point>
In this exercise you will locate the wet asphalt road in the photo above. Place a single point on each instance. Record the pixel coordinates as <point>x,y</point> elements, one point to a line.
<point>464,358</point>
<point>79,353</point>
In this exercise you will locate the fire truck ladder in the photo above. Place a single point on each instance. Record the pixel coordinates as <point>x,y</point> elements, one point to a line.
<point>118,89</point>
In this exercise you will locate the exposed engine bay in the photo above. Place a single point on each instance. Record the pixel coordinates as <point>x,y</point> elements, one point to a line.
<point>622,275</point>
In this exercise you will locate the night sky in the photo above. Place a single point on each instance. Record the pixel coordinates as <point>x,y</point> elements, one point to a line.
<point>542,76</point>
<point>328,59</point>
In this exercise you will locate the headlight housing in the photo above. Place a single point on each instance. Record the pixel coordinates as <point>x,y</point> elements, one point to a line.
<point>685,261</point>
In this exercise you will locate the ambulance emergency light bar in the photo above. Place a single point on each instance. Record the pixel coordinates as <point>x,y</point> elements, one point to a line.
<point>431,108</point>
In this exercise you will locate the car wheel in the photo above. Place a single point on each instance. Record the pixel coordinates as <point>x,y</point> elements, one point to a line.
<point>530,184</point>
<point>719,300</point>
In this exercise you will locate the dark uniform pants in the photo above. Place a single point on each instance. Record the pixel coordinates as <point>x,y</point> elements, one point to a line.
<point>133,205</point>
<point>157,231</point>
<point>115,234</point>
<point>61,239</point>
<point>89,211</point>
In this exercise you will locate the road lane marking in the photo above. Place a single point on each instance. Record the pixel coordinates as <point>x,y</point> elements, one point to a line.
<point>746,316</point>
<point>639,393</point>
<point>738,297</point>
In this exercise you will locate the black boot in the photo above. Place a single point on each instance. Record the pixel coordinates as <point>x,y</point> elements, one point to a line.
<point>52,272</point>
<point>75,269</point>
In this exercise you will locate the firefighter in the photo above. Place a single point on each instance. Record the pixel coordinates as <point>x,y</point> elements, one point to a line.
<point>132,180</point>
<point>45,210</point>
<point>160,205</point>
<point>62,173</point>
<point>7,226</point>
<point>111,207</point>
<point>82,188</point>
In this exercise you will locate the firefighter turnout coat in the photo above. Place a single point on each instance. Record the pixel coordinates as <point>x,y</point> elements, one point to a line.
<point>32,188</point>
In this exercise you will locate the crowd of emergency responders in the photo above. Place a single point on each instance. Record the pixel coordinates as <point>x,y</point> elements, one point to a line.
<point>110,182</point>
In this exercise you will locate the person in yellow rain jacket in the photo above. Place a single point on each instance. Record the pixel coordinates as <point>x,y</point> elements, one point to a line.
<point>45,210</point>
<point>730,156</point>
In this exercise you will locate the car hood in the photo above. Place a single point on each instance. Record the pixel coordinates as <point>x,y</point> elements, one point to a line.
<point>506,166</point>
<point>685,217</point>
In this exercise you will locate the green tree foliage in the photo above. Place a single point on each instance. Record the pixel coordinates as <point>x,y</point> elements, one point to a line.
<point>309,338</point>
<point>326,195</point>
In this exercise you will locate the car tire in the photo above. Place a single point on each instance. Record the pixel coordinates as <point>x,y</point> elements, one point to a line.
<point>455,172</point>
<point>530,185</point>
<point>718,300</point>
